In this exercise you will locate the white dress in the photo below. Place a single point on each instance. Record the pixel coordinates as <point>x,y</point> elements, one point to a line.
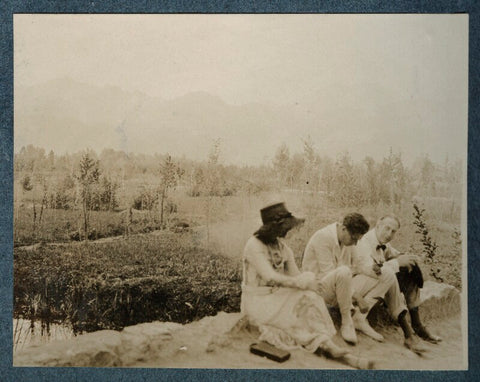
<point>286,317</point>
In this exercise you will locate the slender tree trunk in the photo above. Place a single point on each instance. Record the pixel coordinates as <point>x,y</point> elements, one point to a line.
<point>85,219</point>
<point>34,219</point>
<point>129,220</point>
<point>208,220</point>
<point>162,200</point>
<point>44,203</point>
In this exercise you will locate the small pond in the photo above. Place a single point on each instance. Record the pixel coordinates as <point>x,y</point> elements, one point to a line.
<point>26,333</point>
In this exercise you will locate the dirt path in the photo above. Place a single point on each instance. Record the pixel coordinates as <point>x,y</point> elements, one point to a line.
<point>198,345</point>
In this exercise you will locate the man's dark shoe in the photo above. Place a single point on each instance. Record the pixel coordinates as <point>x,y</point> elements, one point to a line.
<point>414,345</point>
<point>425,335</point>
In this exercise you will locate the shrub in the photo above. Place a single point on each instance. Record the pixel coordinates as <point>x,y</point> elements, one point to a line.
<point>429,245</point>
<point>146,200</point>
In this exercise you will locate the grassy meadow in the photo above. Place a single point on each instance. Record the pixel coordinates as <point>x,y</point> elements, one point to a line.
<point>59,226</point>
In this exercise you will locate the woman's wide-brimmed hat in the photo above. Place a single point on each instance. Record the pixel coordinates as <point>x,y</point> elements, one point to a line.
<point>276,213</point>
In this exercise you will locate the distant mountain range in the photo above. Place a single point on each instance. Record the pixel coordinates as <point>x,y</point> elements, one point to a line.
<point>67,116</point>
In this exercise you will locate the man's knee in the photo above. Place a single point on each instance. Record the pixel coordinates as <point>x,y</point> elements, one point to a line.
<point>343,272</point>
<point>387,276</point>
<point>311,295</point>
<point>410,278</point>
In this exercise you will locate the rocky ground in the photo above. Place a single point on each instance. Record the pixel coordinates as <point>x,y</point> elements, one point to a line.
<point>187,349</point>
<point>204,344</point>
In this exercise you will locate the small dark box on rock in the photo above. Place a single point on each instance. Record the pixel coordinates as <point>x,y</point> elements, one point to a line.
<point>264,349</point>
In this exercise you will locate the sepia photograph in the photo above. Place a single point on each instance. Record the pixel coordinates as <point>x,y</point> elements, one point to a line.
<point>240,191</point>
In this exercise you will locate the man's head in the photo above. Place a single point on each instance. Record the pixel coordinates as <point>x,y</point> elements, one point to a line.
<point>353,227</point>
<point>386,228</point>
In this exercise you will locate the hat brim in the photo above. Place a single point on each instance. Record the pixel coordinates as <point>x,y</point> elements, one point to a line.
<point>293,222</point>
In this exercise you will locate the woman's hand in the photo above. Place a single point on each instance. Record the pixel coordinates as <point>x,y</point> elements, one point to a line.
<point>306,280</point>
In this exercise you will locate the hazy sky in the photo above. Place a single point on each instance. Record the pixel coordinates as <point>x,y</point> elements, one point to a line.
<point>365,64</point>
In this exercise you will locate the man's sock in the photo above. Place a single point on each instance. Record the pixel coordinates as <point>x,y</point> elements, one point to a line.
<point>415,317</point>
<point>346,315</point>
<point>421,330</point>
<point>402,321</point>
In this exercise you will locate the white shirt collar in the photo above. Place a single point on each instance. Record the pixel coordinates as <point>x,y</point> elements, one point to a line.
<point>335,233</point>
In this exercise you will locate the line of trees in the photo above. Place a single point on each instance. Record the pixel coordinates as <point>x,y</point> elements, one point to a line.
<point>367,182</point>
<point>89,182</point>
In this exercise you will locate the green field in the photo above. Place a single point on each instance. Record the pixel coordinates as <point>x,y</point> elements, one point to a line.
<point>95,286</point>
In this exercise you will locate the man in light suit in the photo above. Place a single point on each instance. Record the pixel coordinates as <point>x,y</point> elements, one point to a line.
<point>328,255</point>
<point>374,256</point>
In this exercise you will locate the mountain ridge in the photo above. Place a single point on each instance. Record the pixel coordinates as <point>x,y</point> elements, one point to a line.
<point>66,115</point>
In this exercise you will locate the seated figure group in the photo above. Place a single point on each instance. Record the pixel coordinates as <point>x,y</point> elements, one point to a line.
<point>344,265</point>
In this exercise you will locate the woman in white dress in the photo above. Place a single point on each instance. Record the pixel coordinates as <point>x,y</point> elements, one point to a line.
<point>277,298</point>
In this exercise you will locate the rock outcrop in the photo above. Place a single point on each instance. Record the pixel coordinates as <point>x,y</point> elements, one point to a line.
<point>103,348</point>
